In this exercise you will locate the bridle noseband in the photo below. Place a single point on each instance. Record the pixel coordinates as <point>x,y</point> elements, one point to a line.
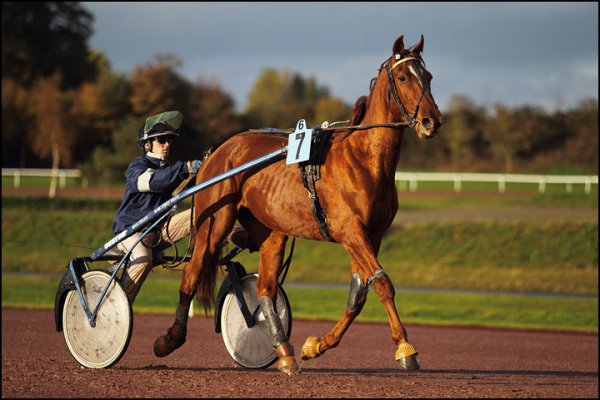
<point>393,92</point>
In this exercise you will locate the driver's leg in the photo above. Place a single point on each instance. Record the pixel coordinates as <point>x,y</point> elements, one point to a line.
<point>140,262</point>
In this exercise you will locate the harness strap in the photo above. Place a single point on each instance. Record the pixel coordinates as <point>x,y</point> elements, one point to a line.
<point>310,174</point>
<point>310,171</point>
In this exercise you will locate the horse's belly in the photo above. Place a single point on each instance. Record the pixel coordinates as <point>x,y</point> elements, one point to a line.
<point>277,198</point>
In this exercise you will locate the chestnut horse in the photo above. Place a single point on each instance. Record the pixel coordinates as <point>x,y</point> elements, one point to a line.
<point>356,190</point>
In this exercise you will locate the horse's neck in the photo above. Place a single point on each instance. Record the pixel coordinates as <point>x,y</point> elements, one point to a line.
<point>381,145</point>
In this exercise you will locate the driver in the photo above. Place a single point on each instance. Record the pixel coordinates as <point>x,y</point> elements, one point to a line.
<point>150,182</point>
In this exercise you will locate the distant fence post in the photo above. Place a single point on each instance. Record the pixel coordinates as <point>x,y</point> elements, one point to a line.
<point>62,179</point>
<point>457,183</point>
<point>17,179</point>
<point>501,183</point>
<point>412,185</point>
<point>588,185</point>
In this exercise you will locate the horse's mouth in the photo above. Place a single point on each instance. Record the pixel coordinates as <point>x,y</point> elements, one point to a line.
<point>425,130</point>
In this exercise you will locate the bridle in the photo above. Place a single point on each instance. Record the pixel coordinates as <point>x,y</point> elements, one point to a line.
<point>393,92</point>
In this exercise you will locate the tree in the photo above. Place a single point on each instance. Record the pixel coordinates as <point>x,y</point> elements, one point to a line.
<point>307,91</point>
<point>15,123</point>
<point>156,87</point>
<point>280,99</point>
<point>42,38</point>
<point>463,131</point>
<point>53,136</point>
<point>98,106</point>
<point>210,117</point>
<point>331,109</point>
<point>511,132</point>
<point>107,164</point>
<point>584,145</point>
<point>268,99</point>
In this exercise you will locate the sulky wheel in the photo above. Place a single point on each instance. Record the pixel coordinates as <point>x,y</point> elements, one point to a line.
<point>252,347</point>
<point>103,345</point>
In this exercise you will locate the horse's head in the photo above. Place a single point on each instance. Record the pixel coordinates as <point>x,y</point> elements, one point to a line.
<point>409,89</point>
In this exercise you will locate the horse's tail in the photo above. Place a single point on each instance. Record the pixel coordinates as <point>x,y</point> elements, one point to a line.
<point>205,292</point>
<point>205,289</point>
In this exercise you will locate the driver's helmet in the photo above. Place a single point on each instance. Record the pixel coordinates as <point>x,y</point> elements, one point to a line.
<point>163,124</point>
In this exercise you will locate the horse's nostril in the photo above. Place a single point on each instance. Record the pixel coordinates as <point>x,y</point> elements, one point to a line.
<point>428,123</point>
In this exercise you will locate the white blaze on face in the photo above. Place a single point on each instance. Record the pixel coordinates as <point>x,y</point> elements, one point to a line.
<point>412,71</point>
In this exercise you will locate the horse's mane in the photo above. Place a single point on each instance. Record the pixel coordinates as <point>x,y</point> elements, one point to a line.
<point>358,112</point>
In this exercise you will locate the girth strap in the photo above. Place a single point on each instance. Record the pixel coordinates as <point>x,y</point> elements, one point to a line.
<point>310,172</point>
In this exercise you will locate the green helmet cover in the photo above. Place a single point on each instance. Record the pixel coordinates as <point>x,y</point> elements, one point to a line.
<point>172,119</point>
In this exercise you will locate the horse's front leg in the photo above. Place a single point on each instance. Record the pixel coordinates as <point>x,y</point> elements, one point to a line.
<point>315,346</point>
<point>366,272</point>
<point>271,257</point>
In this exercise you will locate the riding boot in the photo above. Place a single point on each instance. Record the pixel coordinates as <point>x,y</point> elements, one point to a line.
<point>174,339</point>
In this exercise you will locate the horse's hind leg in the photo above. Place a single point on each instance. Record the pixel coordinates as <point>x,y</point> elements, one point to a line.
<point>200,270</point>
<point>271,258</point>
<point>366,272</point>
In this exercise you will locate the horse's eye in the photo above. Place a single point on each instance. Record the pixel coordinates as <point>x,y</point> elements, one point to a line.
<point>402,78</point>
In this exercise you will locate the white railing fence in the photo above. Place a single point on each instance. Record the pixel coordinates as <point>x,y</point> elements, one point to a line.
<point>413,178</point>
<point>17,173</point>
<point>502,179</point>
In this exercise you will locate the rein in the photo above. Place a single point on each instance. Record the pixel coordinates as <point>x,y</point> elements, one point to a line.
<point>329,128</point>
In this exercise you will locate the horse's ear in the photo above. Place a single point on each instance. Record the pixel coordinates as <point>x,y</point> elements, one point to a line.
<point>419,46</point>
<point>398,45</point>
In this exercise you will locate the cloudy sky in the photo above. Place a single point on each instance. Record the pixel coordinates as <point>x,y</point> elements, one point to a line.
<point>539,53</point>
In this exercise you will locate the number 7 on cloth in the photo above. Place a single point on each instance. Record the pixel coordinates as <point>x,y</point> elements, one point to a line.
<point>299,144</point>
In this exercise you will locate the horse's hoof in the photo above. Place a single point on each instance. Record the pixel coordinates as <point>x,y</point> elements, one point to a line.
<point>174,339</point>
<point>409,363</point>
<point>165,345</point>
<point>288,366</point>
<point>310,349</point>
<point>406,356</point>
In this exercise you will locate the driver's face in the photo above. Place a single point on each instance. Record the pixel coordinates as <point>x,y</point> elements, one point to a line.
<point>162,145</point>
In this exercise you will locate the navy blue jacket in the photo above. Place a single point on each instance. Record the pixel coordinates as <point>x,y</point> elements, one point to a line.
<point>150,183</point>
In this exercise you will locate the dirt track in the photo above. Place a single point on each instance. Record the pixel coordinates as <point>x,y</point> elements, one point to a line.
<point>455,363</point>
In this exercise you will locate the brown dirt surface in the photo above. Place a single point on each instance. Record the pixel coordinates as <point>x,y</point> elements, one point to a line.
<point>456,362</point>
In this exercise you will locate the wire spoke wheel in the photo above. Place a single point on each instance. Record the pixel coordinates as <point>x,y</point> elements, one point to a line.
<point>104,344</point>
<point>252,347</point>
